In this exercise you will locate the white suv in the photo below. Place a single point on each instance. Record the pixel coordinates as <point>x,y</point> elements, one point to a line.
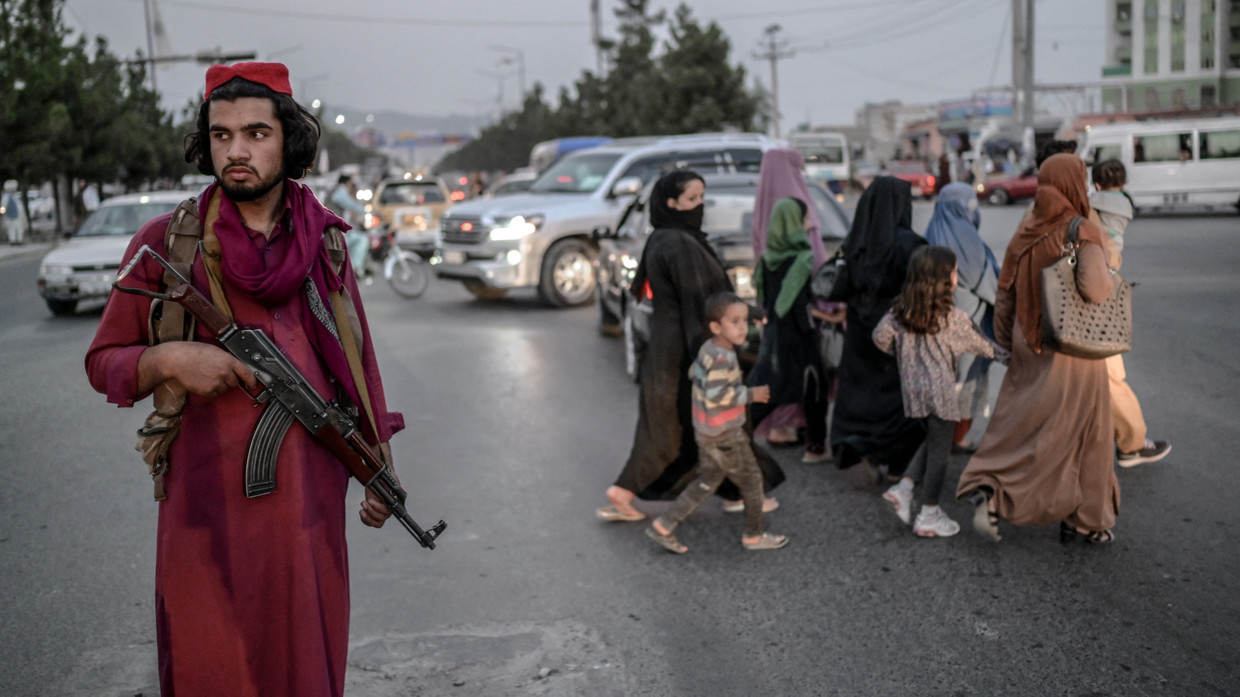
<point>542,238</point>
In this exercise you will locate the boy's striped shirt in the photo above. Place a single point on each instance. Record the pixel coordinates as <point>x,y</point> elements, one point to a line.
<point>719,393</point>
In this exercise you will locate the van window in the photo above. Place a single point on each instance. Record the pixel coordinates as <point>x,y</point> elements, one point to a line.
<point>1216,145</point>
<point>1107,152</point>
<point>1164,147</point>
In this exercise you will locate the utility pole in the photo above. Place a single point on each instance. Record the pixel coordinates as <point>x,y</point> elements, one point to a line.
<point>150,42</point>
<point>596,35</point>
<point>775,50</point>
<point>1022,65</point>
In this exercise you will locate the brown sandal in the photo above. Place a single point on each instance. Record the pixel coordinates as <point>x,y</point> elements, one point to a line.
<point>668,541</point>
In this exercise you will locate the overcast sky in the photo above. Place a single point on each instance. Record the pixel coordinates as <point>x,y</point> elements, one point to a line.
<point>427,57</point>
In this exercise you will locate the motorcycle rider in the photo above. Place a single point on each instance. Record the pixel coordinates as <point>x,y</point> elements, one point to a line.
<point>343,202</point>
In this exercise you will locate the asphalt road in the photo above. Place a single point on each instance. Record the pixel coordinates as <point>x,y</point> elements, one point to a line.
<point>520,416</point>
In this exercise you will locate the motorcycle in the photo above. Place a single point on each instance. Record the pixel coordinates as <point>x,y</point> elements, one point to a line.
<point>404,270</point>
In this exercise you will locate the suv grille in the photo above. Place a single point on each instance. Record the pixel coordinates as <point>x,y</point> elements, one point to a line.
<point>463,230</point>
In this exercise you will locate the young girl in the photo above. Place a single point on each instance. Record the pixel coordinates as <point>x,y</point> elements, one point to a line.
<point>927,333</point>
<point>719,399</point>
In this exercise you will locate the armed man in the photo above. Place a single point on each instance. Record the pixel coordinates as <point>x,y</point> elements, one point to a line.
<point>251,579</point>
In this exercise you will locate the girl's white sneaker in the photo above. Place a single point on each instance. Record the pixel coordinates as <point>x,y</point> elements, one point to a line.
<point>935,524</point>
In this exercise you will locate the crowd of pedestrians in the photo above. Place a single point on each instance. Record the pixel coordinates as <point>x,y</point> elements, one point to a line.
<point>923,317</point>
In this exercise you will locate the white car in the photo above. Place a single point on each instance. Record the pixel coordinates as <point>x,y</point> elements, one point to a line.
<point>84,266</point>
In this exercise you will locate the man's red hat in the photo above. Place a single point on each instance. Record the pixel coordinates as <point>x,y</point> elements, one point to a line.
<point>272,75</point>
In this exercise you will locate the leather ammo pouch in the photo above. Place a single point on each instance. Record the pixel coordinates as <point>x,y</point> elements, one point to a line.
<point>168,321</point>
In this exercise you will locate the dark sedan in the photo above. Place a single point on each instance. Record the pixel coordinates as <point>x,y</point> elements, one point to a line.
<point>728,222</point>
<point>1001,192</point>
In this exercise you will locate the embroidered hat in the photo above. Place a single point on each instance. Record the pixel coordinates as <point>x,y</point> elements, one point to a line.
<point>272,75</point>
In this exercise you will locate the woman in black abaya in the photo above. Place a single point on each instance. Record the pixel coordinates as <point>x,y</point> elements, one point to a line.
<point>682,271</point>
<point>869,422</point>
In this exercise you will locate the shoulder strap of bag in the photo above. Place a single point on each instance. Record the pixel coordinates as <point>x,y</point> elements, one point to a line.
<point>1074,233</point>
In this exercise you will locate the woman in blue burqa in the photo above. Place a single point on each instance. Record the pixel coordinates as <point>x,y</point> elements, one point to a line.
<point>868,423</point>
<point>955,225</point>
<point>682,271</point>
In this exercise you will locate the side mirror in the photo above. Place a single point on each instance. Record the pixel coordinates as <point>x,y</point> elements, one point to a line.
<point>601,232</point>
<point>626,186</point>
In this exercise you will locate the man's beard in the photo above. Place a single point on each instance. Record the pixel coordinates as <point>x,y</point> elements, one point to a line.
<point>242,193</point>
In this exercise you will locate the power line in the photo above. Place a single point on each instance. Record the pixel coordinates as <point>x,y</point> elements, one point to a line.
<point>334,17</point>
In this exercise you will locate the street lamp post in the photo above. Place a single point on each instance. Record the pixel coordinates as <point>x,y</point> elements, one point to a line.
<point>520,59</point>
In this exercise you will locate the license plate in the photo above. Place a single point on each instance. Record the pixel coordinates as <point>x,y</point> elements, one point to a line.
<point>453,257</point>
<point>917,191</point>
<point>95,287</point>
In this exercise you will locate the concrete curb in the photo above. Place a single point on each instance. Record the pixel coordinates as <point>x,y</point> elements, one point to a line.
<point>21,251</point>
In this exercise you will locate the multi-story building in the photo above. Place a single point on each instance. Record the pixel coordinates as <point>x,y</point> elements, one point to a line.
<point>1171,55</point>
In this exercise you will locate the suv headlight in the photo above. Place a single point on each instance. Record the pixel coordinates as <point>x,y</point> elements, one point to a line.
<point>55,270</point>
<point>517,227</point>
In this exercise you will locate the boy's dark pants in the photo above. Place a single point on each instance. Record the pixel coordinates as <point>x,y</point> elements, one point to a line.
<point>727,457</point>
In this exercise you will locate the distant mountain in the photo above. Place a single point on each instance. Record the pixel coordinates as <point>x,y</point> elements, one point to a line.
<point>392,126</point>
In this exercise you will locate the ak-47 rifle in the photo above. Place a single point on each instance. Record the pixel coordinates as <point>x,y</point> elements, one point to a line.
<point>291,398</point>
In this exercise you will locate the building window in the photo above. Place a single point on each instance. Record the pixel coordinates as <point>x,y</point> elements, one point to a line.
<point>1217,145</point>
<point>1208,96</point>
<point>1177,99</point>
<point>1151,99</point>
<point>1123,12</point>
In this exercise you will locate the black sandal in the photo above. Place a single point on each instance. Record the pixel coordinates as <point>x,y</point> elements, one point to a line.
<point>985,521</point>
<point>1068,533</point>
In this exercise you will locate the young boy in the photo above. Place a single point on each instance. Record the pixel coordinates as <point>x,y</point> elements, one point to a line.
<point>1111,208</point>
<point>719,399</point>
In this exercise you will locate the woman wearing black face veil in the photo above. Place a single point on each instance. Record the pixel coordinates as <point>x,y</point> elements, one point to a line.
<point>683,272</point>
<point>869,421</point>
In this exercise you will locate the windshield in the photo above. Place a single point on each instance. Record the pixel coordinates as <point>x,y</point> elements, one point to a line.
<point>576,174</point>
<point>729,212</point>
<point>412,192</point>
<point>124,219</point>
<point>822,154</point>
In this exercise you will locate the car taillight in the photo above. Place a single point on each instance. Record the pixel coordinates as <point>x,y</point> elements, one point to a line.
<point>458,195</point>
<point>647,293</point>
<point>930,180</point>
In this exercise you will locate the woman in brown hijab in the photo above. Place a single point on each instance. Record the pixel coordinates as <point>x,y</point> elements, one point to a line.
<point>1048,452</point>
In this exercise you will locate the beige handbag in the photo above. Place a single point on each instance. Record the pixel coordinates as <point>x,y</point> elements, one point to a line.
<point>1074,326</point>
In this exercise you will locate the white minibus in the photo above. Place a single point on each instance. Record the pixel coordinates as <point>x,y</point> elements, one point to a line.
<point>1190,162</point>
<point>826,157</point>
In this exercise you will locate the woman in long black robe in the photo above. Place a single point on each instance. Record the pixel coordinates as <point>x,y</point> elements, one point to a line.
<point>683,272</point>
<point>869,422</point>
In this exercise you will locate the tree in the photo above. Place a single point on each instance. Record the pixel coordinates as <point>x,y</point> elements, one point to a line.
<point>506,145</point>
<point>688,88</point>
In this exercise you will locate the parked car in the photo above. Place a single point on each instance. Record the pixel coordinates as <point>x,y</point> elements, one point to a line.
<point>728,222</point>
<point>1003,191</point>
<point>509,184</point>
<point>915,173</point>
<point>541,239</point>
<point>412,206</point>
<point>84,266</point>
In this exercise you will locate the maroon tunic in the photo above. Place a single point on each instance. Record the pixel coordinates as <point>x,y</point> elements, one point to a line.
<point>251,595</point>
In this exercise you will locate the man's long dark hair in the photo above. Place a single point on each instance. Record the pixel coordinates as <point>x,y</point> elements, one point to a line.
<point>301,129</point>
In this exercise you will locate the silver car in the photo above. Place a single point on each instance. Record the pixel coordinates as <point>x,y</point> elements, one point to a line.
<point>84,266</point>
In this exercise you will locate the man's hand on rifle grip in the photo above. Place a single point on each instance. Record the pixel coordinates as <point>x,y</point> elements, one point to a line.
<point>374,512</point>
<point>203,369</point>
